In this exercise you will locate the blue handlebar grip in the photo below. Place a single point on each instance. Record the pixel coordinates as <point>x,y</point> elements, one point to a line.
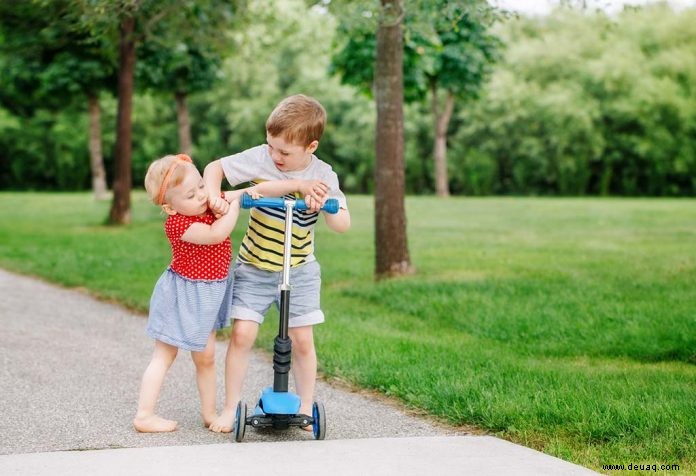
<point>331,205</point>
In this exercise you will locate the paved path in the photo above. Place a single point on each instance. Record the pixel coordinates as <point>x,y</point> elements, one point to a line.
<point>70,371</point>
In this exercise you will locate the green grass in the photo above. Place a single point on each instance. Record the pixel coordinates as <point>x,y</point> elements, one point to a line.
<point>568,325</point>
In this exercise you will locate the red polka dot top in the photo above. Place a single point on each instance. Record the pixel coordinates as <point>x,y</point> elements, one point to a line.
<point>205,262</point>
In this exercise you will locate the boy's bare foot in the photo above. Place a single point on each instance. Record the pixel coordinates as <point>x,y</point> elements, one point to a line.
<point>153,424</point>
<point>304,411</point>
<point>208,420</point>
<point>223,423</point>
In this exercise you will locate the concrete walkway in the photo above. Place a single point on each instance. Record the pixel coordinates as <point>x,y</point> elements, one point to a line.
<point>70,374</point>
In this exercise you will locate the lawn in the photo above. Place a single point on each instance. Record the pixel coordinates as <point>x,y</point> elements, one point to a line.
<point>568,325</point>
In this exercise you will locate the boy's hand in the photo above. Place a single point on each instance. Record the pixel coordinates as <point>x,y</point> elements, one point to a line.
<point>314,205</point>
<point>236,195</point>
<point>233,195</point>
<point>315,194</point>
<point>254,192</point>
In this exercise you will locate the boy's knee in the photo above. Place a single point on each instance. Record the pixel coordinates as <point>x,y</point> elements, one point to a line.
<point>244,334</point>
<point>303,344</point>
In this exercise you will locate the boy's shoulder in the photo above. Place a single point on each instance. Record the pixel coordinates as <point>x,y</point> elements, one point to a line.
<point>320,166</point>
<point>258,152</point>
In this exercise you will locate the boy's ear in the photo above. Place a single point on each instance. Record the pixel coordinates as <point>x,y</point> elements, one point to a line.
<point>167,208</point>
<point>312,146</point>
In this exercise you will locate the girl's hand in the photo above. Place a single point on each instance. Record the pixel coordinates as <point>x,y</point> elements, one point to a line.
<point>218,205</point>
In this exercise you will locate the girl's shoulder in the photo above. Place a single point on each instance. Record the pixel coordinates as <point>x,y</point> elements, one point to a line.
<point>177,219</point>
<point>176,225</point>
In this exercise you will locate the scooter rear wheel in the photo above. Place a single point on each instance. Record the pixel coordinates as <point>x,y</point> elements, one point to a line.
<point>240,422</point>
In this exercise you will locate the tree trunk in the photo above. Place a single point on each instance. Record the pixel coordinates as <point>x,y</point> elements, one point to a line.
<point>96,159</point>
<point>441,119</point>
<point>391,248</point>
<point>120,207</point>
<point>182,117</point>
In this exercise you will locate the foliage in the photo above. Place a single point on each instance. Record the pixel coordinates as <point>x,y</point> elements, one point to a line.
<point>47,61</point>
<point>584,103</point>
<point>581,103</point>
<point>44,151</point>
<point>445,42</point>
<point>181,69</point>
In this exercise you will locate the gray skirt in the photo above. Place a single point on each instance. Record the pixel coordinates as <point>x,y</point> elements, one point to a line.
<point>183,312</point>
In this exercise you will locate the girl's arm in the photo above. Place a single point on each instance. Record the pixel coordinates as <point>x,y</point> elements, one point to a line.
<point>217,232</point>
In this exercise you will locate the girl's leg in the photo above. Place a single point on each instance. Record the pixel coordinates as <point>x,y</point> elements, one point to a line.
<point>205,379</point>
<point>236,364</point>
<point>304,365</point>
<point>146,420</point>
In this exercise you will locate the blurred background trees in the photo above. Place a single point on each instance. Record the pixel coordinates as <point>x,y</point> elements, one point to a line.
<point>574,103</point>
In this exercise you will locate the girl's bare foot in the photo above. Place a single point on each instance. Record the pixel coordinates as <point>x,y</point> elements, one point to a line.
<point>223,423</point>
<point>153,424</point>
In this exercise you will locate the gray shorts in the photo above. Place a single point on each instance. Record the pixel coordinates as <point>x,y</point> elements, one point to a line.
<point>255,289</point>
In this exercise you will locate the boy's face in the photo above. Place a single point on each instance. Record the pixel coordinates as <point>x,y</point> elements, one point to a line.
<point>289,157</point>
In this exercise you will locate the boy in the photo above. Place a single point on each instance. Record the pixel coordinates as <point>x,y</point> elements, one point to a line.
<point>293,131</point>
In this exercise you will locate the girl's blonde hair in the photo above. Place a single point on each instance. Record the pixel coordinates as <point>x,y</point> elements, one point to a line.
<point>298,119</point>
<point>157,173</point>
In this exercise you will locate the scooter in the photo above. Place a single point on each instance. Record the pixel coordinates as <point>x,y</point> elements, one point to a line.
<point>278,408</point>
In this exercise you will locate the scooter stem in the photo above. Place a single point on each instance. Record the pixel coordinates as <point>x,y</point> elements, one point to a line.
<point>282,348</point>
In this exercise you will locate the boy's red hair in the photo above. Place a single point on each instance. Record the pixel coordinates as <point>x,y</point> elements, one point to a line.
<point>298,119</point>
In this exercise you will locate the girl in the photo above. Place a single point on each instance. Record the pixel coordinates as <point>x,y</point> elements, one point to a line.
<point>191,299</point>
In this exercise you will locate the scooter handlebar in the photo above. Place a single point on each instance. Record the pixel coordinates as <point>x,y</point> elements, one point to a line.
<point>331,205</point>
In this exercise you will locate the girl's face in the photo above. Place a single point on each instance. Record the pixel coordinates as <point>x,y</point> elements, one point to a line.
<point>190,197</point>
<point>289,157</point>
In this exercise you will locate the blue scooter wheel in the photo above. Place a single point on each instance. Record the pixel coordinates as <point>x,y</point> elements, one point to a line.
<point>240,422</point>
<point>319,425</point>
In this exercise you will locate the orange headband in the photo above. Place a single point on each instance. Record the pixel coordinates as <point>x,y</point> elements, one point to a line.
<point>181,159</point>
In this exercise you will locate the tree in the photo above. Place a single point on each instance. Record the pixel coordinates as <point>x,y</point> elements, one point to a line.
<point>52,63</point>
<point>448,54</point>
<point>130,23</point>
<point>120,207</point>
<point>391,247</point>
<point>179,71</point>
<point>372,58</point>
<point>456,62</point>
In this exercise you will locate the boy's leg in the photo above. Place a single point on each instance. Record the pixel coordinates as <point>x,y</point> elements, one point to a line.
<point>146,420</point>
<point>304,365</point>
<point>236,364</point>
<point>205,379</point>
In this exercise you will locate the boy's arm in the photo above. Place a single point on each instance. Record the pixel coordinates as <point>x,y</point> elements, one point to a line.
<point>314,191</point>
<point>339,222</point>
<point>277,188</point>
<point>212,178</point>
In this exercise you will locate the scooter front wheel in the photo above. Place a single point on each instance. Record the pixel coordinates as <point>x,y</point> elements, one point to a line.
<point>319,416</point>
